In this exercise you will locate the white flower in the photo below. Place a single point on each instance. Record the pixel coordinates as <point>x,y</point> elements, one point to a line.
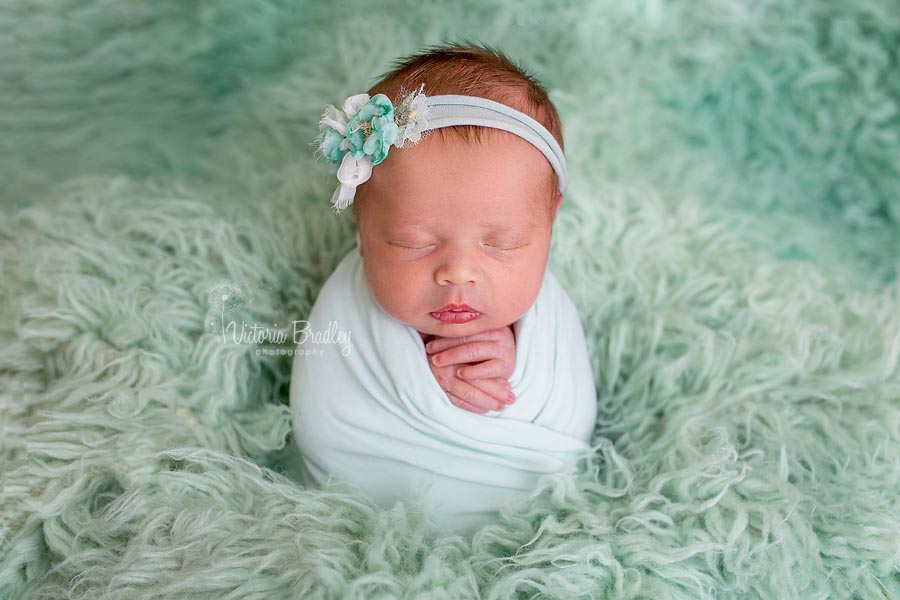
<point>354,104</point>
<point>335,119</point>
<point>351,174</point>
<point>354,172</point>
<point>420,120</point>
<point>417,121</point>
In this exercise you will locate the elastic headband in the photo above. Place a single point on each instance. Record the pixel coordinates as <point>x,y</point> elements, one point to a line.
<point>360,136</point>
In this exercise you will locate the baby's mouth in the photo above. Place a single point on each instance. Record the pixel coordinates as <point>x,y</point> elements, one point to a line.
<point>456,313</point>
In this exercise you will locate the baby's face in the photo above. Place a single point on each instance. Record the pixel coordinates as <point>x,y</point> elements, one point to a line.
<point>445,222</point>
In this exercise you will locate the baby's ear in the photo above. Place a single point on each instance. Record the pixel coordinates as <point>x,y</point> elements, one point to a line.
<point>558,204</point>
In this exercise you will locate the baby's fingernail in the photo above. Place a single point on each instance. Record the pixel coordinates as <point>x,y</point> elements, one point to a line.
<point>510,398</point>
<point>459,373</point>
<point>428,346</point>
<point>434,359</point>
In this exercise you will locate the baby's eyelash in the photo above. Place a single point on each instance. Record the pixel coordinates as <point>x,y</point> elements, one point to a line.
<point>405,247</point>
<point>506,247</point>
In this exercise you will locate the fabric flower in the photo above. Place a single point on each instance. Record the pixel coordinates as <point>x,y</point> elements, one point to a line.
<point>354,172</point>
<point>332,140</point>
<point>354,104</point>
<point>359,136</point>
<point>335,119</point>
<point>372,130</point>
<point>413,118</point>
<point>332,145</point>
<point>351,174</point>
<point>384,134</point>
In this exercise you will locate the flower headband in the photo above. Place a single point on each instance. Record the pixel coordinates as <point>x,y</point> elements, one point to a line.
<point>359,137</point>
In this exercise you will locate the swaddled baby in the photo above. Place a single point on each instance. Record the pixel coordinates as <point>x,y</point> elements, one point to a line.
<point>467,377</point>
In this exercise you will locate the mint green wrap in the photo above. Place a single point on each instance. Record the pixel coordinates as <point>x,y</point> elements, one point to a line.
<point>368,408</point>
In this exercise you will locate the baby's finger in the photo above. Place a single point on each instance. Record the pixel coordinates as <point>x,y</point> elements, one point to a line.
<point>464,405</point>
<point>466,353</point>
<point>442,343</point>
<point>484,370</point>
<point>474,396</point>
<point>497,388</point>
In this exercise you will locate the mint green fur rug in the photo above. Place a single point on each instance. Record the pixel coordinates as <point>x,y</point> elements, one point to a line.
<point>730,235</point>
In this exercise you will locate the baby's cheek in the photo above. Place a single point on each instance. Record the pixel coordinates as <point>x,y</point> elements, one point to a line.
<point>389,286</point>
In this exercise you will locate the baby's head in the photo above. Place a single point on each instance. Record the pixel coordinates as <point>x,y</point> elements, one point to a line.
<point>464,216</point>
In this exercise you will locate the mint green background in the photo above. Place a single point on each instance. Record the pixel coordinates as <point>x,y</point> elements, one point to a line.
<point>729,235</point>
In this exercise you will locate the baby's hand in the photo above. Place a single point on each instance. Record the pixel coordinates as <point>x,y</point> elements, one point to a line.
<point>487,358</point>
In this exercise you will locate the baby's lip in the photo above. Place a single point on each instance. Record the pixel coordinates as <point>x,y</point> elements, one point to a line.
<point>456,307</point>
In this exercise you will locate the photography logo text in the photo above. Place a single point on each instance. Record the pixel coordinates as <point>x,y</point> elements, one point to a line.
<point>295,336</point>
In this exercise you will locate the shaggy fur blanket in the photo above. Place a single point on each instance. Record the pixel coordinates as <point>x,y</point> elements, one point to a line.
<point>729,236</point>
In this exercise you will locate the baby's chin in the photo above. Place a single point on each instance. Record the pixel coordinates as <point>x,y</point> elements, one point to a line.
<point>456,330</point>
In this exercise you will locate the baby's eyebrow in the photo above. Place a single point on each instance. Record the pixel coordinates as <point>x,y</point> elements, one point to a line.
<point>501,227</point>
<point>490,227</point>
<point>407,227</point>
<point>404,226</point>
<point>506,228</point>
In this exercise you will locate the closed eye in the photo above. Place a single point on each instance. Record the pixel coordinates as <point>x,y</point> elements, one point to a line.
<point>504,246</point>
<point>409,247</point>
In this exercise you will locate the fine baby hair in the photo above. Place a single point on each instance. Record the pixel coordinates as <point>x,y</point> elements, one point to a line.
<point>455,90</point>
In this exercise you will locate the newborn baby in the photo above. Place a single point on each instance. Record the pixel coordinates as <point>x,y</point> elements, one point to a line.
<point>468,375</point>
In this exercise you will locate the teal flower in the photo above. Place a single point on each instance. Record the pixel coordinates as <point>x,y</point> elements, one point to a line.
<point>372,131</point>
<point>384,134</point>
<point>330,146</point>
<point>332,140</point>
<point>359,135</point>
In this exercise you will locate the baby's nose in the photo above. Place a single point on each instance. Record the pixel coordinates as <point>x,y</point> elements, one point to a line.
<point>456,270</point>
